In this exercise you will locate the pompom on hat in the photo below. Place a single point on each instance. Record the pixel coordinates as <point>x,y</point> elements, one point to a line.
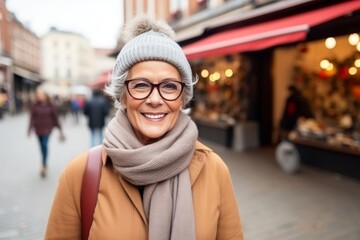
<point>147,39</point>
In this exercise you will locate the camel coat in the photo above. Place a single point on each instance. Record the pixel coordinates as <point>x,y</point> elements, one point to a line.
<point>119,212</point>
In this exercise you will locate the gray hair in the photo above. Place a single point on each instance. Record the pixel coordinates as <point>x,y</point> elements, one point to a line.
<point>149,39</point>
<point>116,89</point>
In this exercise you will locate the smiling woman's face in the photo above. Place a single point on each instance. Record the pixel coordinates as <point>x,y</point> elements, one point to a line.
<point>153,116</point>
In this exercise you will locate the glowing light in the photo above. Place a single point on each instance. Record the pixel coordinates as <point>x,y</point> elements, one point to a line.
<point>358,47</point>
<point>324,64</point>
<point>330,67</point>
<point>229,72</point>
<point>353,39</point>
<point>204,73</point>
<point>330,43</point>
<point>357,63</point>
<point>352,70</point>
<point>216,76</point>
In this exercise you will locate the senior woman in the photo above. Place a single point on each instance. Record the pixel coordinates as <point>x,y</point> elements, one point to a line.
<point>158,182</point>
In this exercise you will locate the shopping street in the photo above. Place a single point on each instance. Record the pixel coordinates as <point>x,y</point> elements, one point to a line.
<point>310,205</point>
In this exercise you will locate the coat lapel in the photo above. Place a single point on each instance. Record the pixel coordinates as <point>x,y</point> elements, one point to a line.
<point>133,193</point>
<point>198,161</point>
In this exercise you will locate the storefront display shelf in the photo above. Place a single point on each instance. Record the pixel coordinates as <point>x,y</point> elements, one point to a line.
<point>335,158</point>
<point>218,132</point>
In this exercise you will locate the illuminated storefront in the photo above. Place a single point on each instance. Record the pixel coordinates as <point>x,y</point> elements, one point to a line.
<point>244,74</point>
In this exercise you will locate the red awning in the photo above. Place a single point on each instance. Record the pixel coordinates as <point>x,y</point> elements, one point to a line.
<point>268,34</point>
<point>100,81</point>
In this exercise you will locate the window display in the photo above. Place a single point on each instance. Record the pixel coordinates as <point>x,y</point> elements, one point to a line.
<point>333,90</point>
<point>220,93</point>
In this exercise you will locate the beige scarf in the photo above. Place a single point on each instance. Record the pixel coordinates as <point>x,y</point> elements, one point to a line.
<point>162,167</point>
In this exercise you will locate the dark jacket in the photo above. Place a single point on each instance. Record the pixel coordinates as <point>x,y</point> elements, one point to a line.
<point>96,109</point>
<point>296,106</point>
<point>43,118</point>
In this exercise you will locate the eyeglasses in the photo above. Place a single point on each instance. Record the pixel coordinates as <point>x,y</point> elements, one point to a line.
<point>140,89</point>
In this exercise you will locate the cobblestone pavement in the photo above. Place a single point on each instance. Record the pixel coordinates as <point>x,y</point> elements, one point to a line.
<point>311,205</point>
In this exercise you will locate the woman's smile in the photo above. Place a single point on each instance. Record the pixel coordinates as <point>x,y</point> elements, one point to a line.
<point>152,116</point>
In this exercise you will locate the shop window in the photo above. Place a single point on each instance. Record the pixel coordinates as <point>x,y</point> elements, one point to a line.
<point>331,84</point>
<point>220,94</point>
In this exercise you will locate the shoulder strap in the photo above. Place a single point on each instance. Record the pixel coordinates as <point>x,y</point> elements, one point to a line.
<point>90,189</point>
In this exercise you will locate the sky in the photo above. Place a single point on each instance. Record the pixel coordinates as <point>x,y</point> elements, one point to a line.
<point>97,20</point>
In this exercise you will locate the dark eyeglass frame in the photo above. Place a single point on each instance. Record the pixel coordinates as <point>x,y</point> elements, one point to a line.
<point>182,84</point>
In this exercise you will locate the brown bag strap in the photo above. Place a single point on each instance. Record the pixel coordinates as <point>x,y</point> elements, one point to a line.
<point>90,189</point>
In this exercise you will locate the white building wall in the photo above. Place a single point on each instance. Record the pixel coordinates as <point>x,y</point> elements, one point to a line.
<point>68,59</point>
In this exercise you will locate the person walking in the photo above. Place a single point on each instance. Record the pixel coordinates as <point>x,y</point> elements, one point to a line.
<point>158,181</point>
<point>96,110</point>
<point>43,118</point>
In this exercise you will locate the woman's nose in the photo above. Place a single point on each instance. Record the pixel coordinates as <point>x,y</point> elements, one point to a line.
<point>154,97</point>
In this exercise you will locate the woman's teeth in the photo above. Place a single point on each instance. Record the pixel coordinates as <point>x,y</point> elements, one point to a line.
<point>154,116</point>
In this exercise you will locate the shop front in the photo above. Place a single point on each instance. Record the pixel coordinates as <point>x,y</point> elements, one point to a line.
<point>244,74</point>
<point>254,45</point>
<point>327,73</point>
<point>222,101</point>
<point>5,84</point>
<point>25,83</point>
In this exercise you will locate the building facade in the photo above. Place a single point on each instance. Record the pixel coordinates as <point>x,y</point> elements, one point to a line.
<point>26,57</point>
<point>150,7</point>
<point>67,60</point>
<point>20,62</point>
<point>6,83</point>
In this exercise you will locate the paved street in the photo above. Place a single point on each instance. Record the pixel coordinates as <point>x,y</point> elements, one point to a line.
<point>310,205</point>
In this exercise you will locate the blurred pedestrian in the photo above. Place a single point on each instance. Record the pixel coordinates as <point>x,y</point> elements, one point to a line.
<point>43,118</point>
<point>63,105</point>
<point>96,109</point>
<point>158,181</point>
<point>296,107</point>
<point>75,108</point>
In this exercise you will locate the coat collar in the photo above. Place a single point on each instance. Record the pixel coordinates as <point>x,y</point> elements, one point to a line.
<point>198,161</point>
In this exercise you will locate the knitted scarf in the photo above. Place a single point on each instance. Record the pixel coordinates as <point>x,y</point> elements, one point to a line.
<point>162,168</point>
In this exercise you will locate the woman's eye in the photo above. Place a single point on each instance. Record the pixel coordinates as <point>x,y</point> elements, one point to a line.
<point>169,86</point>
<point>141,85</point>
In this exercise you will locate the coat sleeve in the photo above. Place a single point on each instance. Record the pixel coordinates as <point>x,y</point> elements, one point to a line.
<point>64,220</point>
<point>229,225</point>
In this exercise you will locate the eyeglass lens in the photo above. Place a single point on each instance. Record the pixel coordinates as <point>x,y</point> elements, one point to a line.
<point>141,89</point>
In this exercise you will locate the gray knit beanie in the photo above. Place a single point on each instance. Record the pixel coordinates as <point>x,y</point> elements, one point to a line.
<point>148,39</point>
